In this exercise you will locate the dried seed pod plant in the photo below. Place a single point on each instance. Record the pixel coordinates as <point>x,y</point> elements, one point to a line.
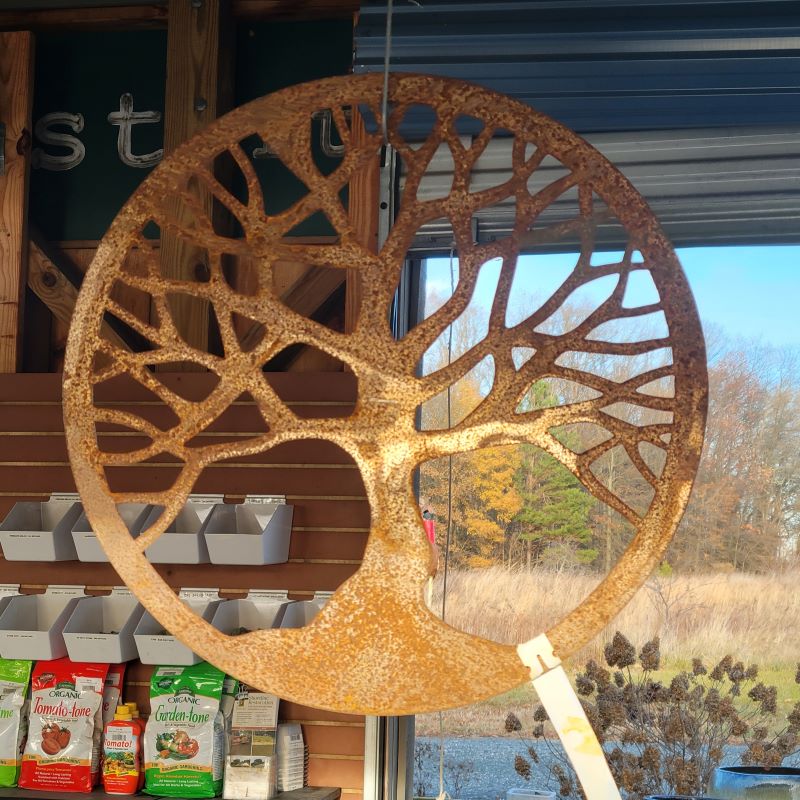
<point>376,648</point>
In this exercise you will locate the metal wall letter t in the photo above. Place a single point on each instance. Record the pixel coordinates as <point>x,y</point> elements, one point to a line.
<point>125,119</point>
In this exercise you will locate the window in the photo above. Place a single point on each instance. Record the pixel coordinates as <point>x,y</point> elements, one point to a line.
<point>528,542</point>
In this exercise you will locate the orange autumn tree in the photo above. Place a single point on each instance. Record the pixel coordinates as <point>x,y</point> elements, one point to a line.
<point>484,499</point>
<point>494,503</point>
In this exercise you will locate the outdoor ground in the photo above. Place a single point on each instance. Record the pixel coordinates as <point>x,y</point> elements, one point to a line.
<point>754,618</point>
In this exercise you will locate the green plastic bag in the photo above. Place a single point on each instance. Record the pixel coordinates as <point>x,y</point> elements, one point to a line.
<point>184,741</point>
<point>14,677</point>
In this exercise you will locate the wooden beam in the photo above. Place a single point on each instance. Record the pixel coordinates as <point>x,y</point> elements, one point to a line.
<point>364,198</point>
<point>198,89</point>
<point>305,296</point>
<point>309,359</point>
<point>16,102</point>
<point>154,15</point>
<point>51,286</point>
<point>253,10</point>
<point>193,69</point>
<point>313,289</point>
<point>102,18</point>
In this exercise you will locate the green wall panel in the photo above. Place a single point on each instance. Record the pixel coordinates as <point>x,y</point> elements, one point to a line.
<point>87,72</point>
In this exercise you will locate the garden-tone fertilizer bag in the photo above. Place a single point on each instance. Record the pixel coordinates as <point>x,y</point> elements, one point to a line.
<point>65,727</point>
<point>184,741</point>
<point>14,677</point>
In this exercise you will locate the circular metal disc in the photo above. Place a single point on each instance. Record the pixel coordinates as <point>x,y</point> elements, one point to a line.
<point>375,648</point>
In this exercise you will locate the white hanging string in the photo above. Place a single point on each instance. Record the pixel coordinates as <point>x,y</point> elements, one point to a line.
<point>442,793</point>
<point>449,458</point>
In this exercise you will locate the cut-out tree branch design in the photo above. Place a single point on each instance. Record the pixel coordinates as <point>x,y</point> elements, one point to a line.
<point>395,656</point>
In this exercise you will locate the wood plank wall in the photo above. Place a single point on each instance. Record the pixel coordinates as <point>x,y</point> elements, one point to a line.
<point>331,517</point>
<point>16,104</point>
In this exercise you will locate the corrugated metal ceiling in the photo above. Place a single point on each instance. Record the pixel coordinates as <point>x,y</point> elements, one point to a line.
<point>713,186</point>
<point>601,65</point>
<point>697,101</point>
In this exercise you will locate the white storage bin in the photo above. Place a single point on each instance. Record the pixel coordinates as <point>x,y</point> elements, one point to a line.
<point>157,646</point>
<point>300,612</point>
<point>7,591</point>
<point>249,533</point>
<point>40,531</point>
<point>86,543</point>
<point>183,541</point>
<point>32,626</point>
<point>101,628</point>
<point>261,610</point>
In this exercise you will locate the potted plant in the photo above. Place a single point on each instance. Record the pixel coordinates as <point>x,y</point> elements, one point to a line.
<point>668,738</point>
<point>530,794</point>
<point>677,797</point>
<point>769,783</point>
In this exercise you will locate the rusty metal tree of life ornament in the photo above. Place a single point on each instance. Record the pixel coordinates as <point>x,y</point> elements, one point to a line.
<point>375,648</point>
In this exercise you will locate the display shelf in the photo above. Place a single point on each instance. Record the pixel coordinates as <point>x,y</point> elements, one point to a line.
<point>331,520</point>
<point>307,793</point>
<point>303,575</point>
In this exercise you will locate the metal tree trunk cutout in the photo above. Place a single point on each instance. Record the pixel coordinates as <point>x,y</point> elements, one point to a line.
<point>375,648</point>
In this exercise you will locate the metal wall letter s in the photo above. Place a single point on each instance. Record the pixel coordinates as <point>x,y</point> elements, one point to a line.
<point>41,159</point>
<point>126,118</point>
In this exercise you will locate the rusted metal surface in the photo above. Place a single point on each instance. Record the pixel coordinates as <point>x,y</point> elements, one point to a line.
<point>376,648</point>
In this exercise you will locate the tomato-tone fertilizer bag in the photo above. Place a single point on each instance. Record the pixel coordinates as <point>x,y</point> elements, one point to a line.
<point>184,741</point>
<point>65,726</point>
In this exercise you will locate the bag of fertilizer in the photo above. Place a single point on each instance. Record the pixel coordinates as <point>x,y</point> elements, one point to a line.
<point>65,734</point>
<point>14,676</point>
<point>184,741</point>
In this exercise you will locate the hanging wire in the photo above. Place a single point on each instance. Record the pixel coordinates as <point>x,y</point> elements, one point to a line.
<point>448,536</point>
<point>387,52</point>
<point>450,457</point>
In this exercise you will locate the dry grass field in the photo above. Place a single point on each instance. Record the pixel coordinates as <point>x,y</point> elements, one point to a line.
<point>755,618</point>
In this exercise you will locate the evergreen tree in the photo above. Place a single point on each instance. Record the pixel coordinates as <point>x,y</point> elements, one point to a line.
<point>555,508</point>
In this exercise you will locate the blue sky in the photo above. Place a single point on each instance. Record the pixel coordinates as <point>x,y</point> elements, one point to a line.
<point>750,292</point>
<point>753,292</point>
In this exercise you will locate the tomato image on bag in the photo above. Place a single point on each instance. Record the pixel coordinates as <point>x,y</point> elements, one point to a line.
<point>184,741</point>
<point>65,726</point>
<point>14,676</point>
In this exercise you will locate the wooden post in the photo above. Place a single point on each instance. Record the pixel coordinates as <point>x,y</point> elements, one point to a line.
<point>198,89</point>
<point>363,209</point>
<point>52,287</point>
<point>16,102</point>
